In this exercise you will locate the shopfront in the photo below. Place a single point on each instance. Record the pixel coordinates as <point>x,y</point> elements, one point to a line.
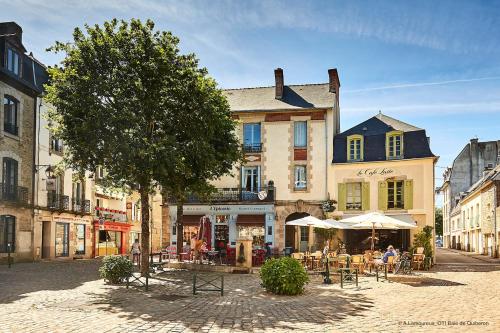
<point>111,238</point>
<point>228,223</point>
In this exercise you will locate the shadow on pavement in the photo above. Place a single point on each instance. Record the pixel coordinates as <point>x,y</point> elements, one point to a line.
<point>24,278</point>
<point>245,304</point>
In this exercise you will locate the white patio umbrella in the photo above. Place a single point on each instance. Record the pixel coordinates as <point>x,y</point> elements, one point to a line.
<point>338,224</point>
<point>310,221</point>
<point>374,221</point>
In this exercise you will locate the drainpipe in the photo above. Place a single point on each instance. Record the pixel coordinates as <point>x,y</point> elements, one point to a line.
<point>495,238</point>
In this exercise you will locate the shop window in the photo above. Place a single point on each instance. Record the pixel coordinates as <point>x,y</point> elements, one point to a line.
<point>394,145</point>
<point>256,232</point>
<point>7,233</point>
<point>304,234</point>
<point>355,148</point>
<point>62,239</point>
<point>11,112</point>
<point>13,62</point>
<point>252,137</point>
<point>300,134</point>
<point>110,243</point>
<point>80,239</point>
<point>221,230</point>
<point>353,196</point>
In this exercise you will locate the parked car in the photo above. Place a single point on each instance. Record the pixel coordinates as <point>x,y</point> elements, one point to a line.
<point>439,242</point>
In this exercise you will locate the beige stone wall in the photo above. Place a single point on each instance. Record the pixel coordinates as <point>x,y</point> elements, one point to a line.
<point>19,148</point>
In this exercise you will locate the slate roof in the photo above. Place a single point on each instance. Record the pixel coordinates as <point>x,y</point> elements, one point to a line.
<point>295,97</point>
<point>415,142</point>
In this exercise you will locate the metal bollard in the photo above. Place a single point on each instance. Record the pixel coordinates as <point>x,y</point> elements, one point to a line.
<point>8,255</point>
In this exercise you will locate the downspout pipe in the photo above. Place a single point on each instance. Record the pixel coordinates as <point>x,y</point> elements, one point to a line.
<point>495,237</point>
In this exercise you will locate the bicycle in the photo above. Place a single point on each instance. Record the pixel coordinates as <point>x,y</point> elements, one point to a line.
<point>404,264</point>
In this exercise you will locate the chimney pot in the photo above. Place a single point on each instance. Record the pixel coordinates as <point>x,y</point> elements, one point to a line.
<point>333,80</point>
<point>278,77</point>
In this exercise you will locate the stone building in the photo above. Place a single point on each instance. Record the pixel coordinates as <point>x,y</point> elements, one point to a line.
<point>21,80</point>
<point>384,165</point>
<point>467,169</point>
<point>62,208</point>
<point>287,134</point>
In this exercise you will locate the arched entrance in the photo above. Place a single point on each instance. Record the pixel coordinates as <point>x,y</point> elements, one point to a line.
<point>292,235</point>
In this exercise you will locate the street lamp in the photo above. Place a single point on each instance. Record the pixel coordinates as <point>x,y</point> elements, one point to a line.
<point>49,170</point>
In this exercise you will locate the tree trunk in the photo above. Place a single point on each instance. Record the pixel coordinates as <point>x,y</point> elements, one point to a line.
<point>145,246</point>
<point>180,228</point>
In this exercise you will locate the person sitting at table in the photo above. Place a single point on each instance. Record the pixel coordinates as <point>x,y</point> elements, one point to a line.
<point>389,253</point>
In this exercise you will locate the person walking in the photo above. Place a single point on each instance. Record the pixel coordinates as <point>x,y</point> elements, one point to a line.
<point>136,252</point>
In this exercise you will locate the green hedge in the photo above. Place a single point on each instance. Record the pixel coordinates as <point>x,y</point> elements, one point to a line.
<point>115,269</point>
<point>283,276</point>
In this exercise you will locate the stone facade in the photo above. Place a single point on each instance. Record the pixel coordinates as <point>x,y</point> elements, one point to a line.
<point>19,148</point>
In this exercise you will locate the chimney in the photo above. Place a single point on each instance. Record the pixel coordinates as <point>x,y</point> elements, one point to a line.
<point>278,77</point>
<point>334,82</point>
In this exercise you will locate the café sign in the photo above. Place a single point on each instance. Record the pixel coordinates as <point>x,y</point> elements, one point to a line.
<point>375,172</point>
<point>228,209</point>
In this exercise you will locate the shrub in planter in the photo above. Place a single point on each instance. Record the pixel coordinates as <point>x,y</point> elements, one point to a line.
<point>283,276</point>
<point>115,269</point>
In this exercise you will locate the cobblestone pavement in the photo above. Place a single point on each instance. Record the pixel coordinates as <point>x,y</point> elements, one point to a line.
<point>69,297</point>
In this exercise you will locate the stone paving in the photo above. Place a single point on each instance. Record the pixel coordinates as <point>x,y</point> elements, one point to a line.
<point>69,297</point>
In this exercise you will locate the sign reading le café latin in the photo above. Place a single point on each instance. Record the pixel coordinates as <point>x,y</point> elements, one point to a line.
<point>375,172</point>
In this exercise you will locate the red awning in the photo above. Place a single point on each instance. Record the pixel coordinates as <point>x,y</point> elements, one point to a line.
<point>258,220</point>
<point>191,220</point>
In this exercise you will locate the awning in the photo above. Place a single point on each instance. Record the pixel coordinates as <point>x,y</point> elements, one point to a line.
<point>257,220</point>
<point>191,220</point>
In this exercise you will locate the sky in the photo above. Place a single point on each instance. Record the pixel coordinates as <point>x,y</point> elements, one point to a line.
<point>433,64</point>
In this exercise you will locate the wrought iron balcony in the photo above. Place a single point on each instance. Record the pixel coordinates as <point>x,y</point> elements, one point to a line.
<point>11,128</point>
<point>252,147</point>
<point>57,201</point>
<point>80,206</point>
<point>265,194</point>
<point>14,194</point>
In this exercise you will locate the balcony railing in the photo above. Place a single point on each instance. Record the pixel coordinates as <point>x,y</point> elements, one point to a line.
<point>252,147</point>
<point>80,206</point>
<point>265,194</point>
<point>57,201</point>
<point>14,194</point>
<point>11,128</point>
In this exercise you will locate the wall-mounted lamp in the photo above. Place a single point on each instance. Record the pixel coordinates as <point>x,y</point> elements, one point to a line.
<point>49,170</point>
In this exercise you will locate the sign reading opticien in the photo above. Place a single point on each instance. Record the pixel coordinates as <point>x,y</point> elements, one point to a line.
<point>375,172</point>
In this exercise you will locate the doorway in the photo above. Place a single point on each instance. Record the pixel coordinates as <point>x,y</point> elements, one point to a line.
<point>45,239</point>
<point>62,239</point>
<point>291,231</point>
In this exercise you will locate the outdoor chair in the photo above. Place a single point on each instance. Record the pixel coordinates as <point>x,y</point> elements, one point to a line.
<point>391,260</point>
<point>369,262</point>
<point>343,260</point>
<point>418,260</point>
<point>316,259</point>
<point>420,250</point>
<point>333,260</point>
<point>357,261</point>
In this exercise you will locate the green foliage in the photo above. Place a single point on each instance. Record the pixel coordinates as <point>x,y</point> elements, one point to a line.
<point>439,221</point>
<point>423,239</point>
<point>283,276</point>
<point>115,269</point>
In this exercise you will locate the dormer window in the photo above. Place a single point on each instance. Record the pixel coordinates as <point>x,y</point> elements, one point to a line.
<point>394,145</point>
<point>355,148</point>
<point>13,61</point>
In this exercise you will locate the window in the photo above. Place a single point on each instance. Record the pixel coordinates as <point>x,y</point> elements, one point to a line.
<point>394,145</point>
<point>251,137</point>
<point>56,144</point>
<point>10,121</point>
<point>353,197</point>
<point>300,177</point>
<point>9,178</point>
<point>304,234</point>
<point>13,61</point>
<point>355,148</point>
<point>395,195</point>
<point>80,239</point>
<point>7,233</point>
<point>300,134</point>
<point>250,178</point>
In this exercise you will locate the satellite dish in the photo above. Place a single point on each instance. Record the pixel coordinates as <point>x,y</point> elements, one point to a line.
<point>262,195</point>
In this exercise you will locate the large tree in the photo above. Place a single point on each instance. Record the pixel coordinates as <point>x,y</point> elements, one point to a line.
<point>439,221</point>
<point>122,99</point>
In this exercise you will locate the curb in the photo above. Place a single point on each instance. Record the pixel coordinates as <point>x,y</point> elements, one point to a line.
<point>476,256</point>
